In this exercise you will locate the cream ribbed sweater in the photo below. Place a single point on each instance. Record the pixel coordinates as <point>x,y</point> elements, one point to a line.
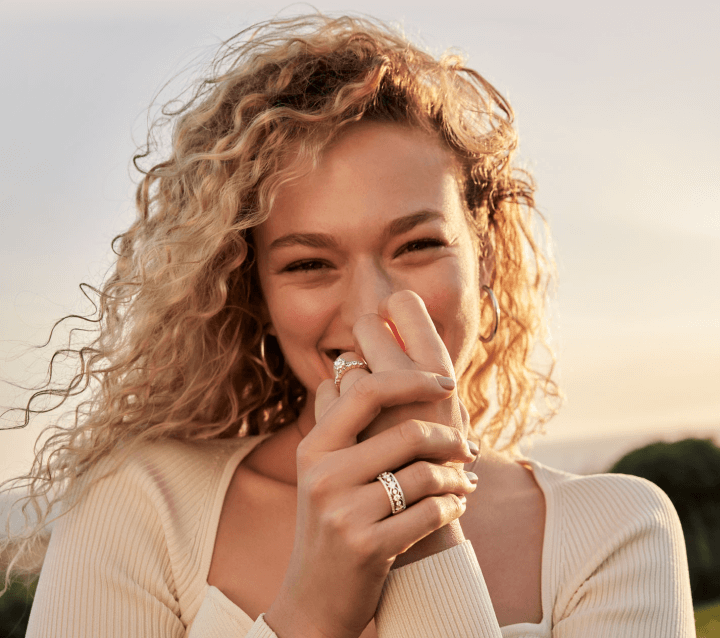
<point>132,559</point>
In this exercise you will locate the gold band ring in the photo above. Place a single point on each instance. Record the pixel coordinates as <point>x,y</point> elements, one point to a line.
<point>341,366</point>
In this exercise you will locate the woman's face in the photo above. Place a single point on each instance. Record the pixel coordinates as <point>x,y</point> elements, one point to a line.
<point>381,213</point>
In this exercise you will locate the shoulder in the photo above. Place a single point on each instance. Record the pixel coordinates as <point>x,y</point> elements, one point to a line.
<point>612,533</point>
<point>148,517</point>
<point>169,475</point>
<point>168,485</point>
<point>166,468</point>
<point>607,502</point>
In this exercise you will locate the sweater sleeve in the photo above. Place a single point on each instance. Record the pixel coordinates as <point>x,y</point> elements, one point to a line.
<point>107,571</point>
<point>619,569</point>
<point>219,617</point>
<point>441,595</point>
<point>634,582</point>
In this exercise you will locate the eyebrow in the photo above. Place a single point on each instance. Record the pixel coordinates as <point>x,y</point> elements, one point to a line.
<point>396,227</point>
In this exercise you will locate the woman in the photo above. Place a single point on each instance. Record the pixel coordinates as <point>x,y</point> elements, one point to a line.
<point>333,260</point>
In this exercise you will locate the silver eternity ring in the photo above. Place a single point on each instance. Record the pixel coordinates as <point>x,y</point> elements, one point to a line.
<point>394,492</point>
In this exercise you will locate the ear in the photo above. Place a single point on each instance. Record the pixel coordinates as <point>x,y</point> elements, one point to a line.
<point>267,324</point>
<point>266,321</point>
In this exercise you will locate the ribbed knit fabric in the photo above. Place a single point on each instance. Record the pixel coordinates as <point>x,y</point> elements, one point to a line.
<point>132,559</point>
<point>420,591</point>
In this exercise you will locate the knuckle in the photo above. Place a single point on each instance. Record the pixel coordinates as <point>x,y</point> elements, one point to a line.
<point>423,474</point>
<point>339,521</point>
<point>455,436</point>
<point>318,485</point>
<point>440,510</point>
<point>435,512</point>
<point>366,389</point>
<point>362,323</point>
<point>403,298</point>
<point>362,548</point>
<point>413,433</point>
<point>456,506</point>
<point>460,477</point>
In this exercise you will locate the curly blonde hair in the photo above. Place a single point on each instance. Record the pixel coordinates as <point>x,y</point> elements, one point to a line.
<point>180,316</point>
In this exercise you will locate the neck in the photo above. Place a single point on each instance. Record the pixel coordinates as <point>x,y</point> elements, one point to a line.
<point>275,457</point>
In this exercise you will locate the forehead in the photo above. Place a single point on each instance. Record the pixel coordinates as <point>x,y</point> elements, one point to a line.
<point>371,174</point>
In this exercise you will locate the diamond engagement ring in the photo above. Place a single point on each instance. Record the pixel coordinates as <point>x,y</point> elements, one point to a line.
<point>394,492</point>
<point>341,366</point>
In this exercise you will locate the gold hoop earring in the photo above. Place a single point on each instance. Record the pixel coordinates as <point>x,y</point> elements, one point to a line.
<point>496,314</point>
<point>263,358</point>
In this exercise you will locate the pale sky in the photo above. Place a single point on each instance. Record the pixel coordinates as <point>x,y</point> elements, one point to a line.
<point>618,109</point>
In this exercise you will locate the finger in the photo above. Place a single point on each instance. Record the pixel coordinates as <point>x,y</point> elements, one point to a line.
<point>464,414</point>
<point>325,395</point>
<point>350,377</point>
<point>374,338</point>
<point>402,444</point>
<point>398,533</point>
<point>341,419</point>
<point>423,344</point>
<point>417,481</point>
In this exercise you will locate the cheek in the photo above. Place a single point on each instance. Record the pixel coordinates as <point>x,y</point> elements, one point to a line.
<point>442,298</point>
<point>299,322</point>
<point>299,317</point>
<point>452,301</point>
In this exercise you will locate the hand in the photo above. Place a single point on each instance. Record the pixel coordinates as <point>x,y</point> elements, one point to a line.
<point>345,540</point>
<point>422,349</point>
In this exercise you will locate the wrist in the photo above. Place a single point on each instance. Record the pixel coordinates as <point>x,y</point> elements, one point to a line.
<point>438,541</point>
<point>290,617</point>
<point>286,622</point>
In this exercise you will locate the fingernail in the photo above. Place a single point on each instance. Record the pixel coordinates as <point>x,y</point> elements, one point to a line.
<point>472,477</point>
<point>474,449</point>
<point>448,383</point>
<point>463,499</point>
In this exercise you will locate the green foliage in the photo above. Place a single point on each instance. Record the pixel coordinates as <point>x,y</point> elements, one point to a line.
<point>688,471</point>
<point>15,607</point>
<point>707,621</point>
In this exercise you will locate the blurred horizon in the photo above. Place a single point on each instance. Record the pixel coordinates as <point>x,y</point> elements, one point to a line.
<point>616,120</point>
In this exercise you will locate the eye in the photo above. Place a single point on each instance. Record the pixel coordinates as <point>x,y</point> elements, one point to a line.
<point>421,244</point>
<point>305,266</point>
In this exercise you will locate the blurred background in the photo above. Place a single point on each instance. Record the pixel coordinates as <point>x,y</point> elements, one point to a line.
<point>618,108</point>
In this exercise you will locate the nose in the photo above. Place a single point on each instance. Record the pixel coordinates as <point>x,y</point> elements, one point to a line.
<point>369,282</point>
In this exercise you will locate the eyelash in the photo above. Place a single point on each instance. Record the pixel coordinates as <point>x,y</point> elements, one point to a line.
<point>426,242</point>
<point>301,266</point>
